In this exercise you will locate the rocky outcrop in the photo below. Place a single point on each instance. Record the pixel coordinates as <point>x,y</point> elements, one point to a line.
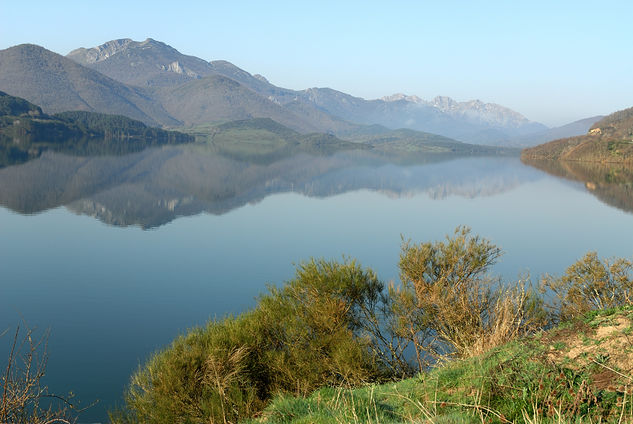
<point>100,53</point>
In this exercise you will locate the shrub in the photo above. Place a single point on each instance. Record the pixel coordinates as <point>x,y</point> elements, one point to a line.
<point>590,284</point>
<point>213,373</point>
<point>334,324</point>
<point>316,324</point>
<point>302,336</point>
<point>447,305</point>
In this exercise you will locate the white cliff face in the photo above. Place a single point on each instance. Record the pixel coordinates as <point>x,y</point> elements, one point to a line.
<point>177,68</point>
<point>400,96</point>
<point>102,52</point>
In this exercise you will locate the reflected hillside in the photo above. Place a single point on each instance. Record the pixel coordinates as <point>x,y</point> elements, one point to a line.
<point>611,183</point>
<point>155,186</point>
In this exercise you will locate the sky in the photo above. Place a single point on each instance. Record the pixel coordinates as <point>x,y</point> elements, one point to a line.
<point>553,61</point>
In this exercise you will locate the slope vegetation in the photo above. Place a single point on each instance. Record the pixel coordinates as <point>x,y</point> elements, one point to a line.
<point>26,132</point>
<point>58,84</point>
<point>262,139</point>
<point>609,140</point>
<point>581,371</point>
<point>448,344</point>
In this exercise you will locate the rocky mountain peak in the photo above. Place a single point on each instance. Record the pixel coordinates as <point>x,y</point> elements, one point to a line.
<point>105,51</point>
<point>102,52</point>
<point>154,44</point>
<point>402,97</point>
<point>479,112</point>
<point>142,63</point>
<point>444,103</point>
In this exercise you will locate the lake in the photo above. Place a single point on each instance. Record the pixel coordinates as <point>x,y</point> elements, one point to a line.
<point>117,255</point>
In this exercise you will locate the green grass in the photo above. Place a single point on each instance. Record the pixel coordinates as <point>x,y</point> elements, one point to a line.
<point>518,382</point>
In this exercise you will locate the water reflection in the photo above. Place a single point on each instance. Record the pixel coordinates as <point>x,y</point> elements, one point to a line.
<point>611,183</point>
<point>14,151</point>
<point>154,186</point>
<point>113,296</point>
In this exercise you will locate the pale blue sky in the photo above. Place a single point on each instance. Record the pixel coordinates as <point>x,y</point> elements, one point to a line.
<point>553,61</point>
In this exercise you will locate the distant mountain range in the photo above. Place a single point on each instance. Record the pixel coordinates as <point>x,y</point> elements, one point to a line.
<point>158,85</point>
<point>26,132</point>
<point>610,140</point>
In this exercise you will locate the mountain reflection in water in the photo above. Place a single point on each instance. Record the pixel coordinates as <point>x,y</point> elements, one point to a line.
<point>611,183</point>
<point>153,187</point>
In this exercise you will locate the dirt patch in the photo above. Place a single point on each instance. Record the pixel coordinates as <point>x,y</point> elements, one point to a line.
<point>606,379</point>
<point>605,352</point>
<point>620,324</point>
<point>565,334</point>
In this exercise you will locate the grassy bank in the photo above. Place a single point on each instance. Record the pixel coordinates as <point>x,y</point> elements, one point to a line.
<point>448,343</point>
<point>581,371</point>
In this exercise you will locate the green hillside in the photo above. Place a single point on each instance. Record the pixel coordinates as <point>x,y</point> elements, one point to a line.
<point>262,139</point>
<point>25,132</point>
<point>609,140</point>
<point>263,136</point>
<point>15,106</point>
<point>410,141</point>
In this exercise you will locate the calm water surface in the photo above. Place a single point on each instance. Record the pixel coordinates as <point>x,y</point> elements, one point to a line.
<point>118,255</point>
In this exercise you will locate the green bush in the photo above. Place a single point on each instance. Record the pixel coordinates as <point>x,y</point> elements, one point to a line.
<point>335,325</point>
<point>302,336</point>
<point>315,323</point>
<point>210,373</point>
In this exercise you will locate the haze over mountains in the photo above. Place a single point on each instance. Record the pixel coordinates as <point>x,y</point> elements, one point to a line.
<point>158,85</point>
<point>573,129</point>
